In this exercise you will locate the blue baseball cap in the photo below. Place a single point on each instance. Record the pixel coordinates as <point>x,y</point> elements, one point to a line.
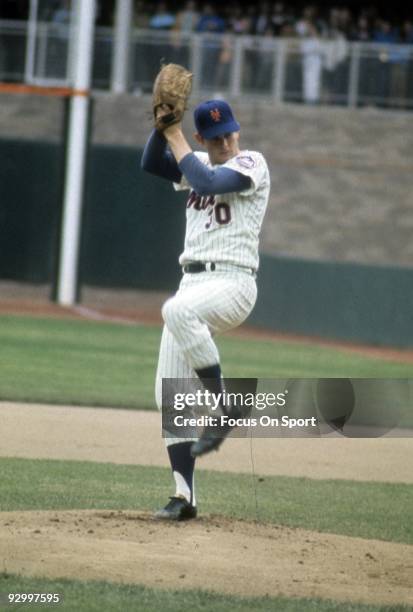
<point>213,118</point>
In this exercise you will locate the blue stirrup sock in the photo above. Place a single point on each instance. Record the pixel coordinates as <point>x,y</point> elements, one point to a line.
<point>183,465</point>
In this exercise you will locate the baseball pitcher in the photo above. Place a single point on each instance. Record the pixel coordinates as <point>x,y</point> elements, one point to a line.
<point>228,190</point>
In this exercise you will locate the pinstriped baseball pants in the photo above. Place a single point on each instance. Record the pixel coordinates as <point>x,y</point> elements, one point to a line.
<point>206,304</point>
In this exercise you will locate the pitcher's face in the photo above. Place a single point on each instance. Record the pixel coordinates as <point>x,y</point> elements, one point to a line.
<point>221,148</point>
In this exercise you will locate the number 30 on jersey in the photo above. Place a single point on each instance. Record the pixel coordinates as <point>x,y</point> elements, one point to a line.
<point>221,211</point>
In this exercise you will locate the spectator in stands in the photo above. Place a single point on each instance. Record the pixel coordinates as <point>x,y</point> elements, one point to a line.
<point>163,19</point>
<point>312,52</point>
<point>185,24</point>
<point>336,54</point>
<point>241,20</point>
<point>400,56</point>
<point>61,13</point>
<point>252,16</point>
<point>222,69</point>
<point>384,33</point>
<point>344,21</point>
<point>288,30</point>
<point>263,68</point>
<point>361,32</point>
<point>262,19</point>
<point>187,19</point>
<point>210,25</point>
<point>210,21</point>
<point>305,25</point>
<point>161,22</point>
<point>278,18</point>
<point>386,36</point>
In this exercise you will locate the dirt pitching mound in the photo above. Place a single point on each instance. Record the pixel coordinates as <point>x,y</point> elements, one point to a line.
<point>132,547</point>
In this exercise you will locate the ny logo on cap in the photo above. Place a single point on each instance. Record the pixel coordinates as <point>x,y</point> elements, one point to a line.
<point>215,114</point>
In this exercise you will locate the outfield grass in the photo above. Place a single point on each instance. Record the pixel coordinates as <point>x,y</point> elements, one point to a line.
<point>95,596</point>
<point>90,363</point>
<point>77,362</point>
<point>381,511</point>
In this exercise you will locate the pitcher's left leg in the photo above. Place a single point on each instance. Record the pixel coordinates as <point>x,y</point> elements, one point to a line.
<point>192,315</point>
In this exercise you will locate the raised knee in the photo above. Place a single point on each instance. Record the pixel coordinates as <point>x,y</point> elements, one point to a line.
<point>167,310</point>
<point>173,314</point>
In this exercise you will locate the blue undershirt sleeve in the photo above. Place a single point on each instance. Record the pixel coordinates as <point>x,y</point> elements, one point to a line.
<point>157,158</point>
<point>207,181</point>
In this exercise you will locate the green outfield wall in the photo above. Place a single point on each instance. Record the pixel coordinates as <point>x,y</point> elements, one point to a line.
<point>359,303</point>
<point>31,176</point>
<point>133,231</point>
<point>134,224</point>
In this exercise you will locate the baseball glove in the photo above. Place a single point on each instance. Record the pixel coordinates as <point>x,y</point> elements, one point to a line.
<point>172,87</point>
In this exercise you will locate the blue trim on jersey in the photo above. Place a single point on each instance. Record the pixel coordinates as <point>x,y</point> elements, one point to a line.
<point>158,159</point>
<point>207,181</point>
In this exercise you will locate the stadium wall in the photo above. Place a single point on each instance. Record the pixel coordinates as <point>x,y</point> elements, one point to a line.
<point>133,231</point>
<point>344,301</point>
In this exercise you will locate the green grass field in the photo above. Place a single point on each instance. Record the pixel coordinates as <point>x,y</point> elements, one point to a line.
<point>88,363</point>
<point>93,596</point>
<point>382,511</point>
<point>102,364</point>
<point>367,510</point>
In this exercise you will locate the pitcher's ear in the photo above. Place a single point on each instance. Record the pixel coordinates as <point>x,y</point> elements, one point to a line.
<point>199,139</point>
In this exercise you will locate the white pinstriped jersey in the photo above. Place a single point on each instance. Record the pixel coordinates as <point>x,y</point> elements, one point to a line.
<point>225,228</point>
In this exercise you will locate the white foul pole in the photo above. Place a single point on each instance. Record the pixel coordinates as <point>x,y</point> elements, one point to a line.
<point>31,42</point>
<point>120,59</point>
<point>83,22</point>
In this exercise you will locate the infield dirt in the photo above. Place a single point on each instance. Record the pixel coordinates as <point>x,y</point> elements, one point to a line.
<point>131,547</point>
<point>214,553</point>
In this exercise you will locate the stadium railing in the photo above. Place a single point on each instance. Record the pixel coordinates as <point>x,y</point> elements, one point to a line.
<point>328,71</point>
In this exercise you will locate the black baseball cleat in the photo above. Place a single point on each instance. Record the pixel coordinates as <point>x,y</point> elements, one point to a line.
<point>177,509</point>
<point>210,440</point>
<point>214,435</point>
